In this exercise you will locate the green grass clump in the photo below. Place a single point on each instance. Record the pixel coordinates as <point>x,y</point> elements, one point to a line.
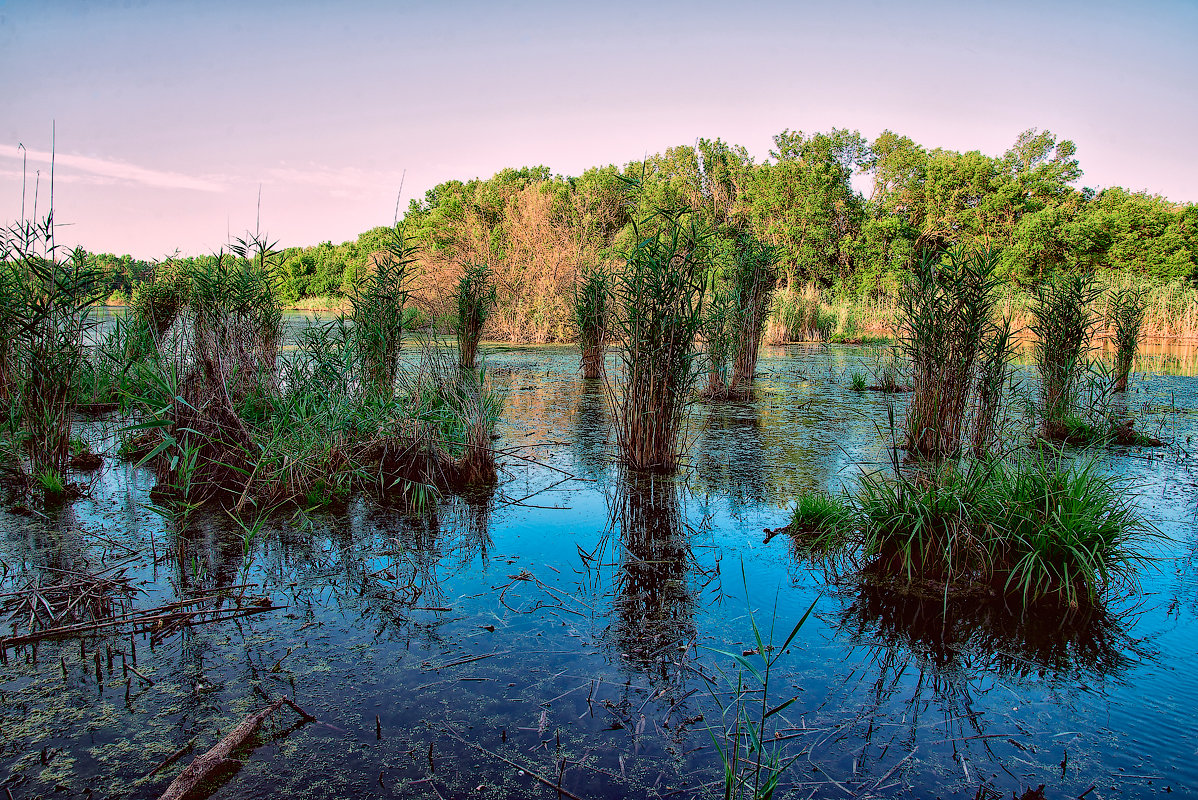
<point>475,297</point>
<point>590,307</point>
<point>857,382</point>
<point>1067,532</point>
<point>1126,311</point>
<point>1064,325</point>
<point>1038,529</point>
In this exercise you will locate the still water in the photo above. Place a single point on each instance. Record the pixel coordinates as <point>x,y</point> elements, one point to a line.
<point>576,624</point>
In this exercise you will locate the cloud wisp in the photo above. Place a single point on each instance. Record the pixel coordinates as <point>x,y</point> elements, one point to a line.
<point>116,170</point>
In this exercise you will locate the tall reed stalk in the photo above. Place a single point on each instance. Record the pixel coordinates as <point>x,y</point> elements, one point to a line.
<point>659,308</point>
<point>1063,323</point>
<point>590,306</point>
<point>946,310</point>
<point>1126,311</point>
<point>475,300</point>
<point>378,312</point>
<point>753,279</point>
<point>49,322</point>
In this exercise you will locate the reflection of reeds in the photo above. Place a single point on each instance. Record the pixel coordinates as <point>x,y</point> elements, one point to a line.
<point>971,636</point>
<point>654,605</point>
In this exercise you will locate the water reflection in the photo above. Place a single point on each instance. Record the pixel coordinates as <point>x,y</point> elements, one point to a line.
<point>730,456</point>
<point>654,605</point>
<point>591,429</point>
<point>965,637</point>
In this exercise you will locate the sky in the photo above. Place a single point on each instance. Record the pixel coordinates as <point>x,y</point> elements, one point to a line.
<point>170,118</point>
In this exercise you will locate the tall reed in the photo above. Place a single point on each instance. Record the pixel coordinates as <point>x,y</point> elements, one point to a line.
<point>716,328</point>
<point>49,321</point>
<point>378,311</point>
<point>753,278</point>
<point>994,371</point>
<point>1126,310</point>
<point>946,309</point>
<point>1063,323</point>
<point>475,297</point>
<point>659,309</point>
<point>590,307</point>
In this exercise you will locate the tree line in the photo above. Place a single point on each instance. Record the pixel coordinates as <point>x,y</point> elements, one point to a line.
<point>538,229</point>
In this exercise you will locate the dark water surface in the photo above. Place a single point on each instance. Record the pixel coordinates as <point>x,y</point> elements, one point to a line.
<point>566,622</point>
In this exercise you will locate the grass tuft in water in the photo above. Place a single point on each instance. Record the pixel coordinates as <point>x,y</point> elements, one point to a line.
<point>475,297</point>
<point>590,307</point>
<point>1126,311</point>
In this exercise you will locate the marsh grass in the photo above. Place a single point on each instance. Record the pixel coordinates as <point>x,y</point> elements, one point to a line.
<point>379,311</point>
<point>475,297</point>
<point>752,279</point>
<point>946,321</point>
<point>1036,530</point>
<point>47,324</point>
<point>1063,323</point>
<point>1126,310</point>
<point>589,303</point>
<point>658,313</point>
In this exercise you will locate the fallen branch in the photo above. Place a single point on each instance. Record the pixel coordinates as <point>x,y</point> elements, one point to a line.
<point>218,759</point>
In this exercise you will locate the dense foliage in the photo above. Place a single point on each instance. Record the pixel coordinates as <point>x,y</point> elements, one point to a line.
<point>539,230</point>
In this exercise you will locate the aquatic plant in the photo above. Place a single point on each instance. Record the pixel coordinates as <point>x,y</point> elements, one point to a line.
<point>716,329</point>
<point>1126,310</point>
<point>945,320</point>
<point>378,315</point>
<point>48,321</point>
<point>590,307</point>
<point>658,311</point>
<point>857,382</point>
<point>475,298</point>
<point>754,763</point>
<point>752,279</point>
<point>1063,324</point>
<point>1036,529</point>
<point>994,371</point>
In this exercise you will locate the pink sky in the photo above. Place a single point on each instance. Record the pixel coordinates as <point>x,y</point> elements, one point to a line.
<point>171,115</point>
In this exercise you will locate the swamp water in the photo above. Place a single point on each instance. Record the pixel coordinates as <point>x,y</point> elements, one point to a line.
<point>566,625</point>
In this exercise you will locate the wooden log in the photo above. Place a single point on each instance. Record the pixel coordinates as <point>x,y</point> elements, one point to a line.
<point>218,759</point>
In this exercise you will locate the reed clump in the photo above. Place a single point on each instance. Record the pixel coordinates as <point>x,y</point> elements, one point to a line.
<point>947,331</point>
<point>475,298</point>
<point>1063,322</point>
<point>1126,311</point>
<point>590,308</point>
<point>47,320</point>
<point>379,305</point>
<point>753,281</point>
<point>234,420</point>
<point>658,300</point>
